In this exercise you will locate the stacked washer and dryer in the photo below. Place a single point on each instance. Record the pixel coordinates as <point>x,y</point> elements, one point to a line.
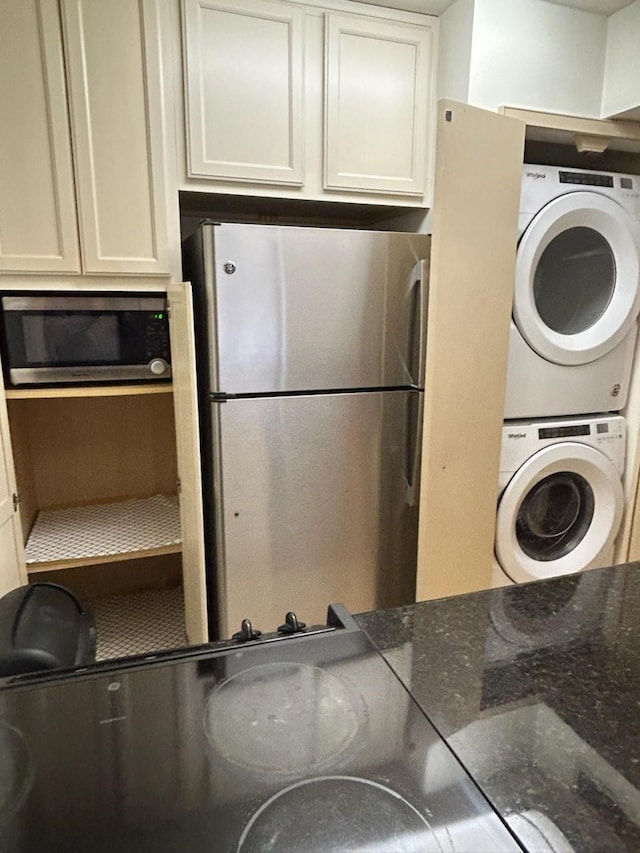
<point>572,341</point>
<point>571,350</point>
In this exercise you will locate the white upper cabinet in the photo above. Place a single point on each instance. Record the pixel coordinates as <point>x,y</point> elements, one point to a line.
<point>377,105</point>
<point>620,90</point>
<point>114,93</point>
<point>100,210</point>
<point>37,208</point>
<point>244,78</point>
<point>308,99</point>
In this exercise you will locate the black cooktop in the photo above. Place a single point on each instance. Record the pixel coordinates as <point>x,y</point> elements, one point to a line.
<point>306,742</point>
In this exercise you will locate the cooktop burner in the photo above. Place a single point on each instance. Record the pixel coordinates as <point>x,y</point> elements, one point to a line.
<point>338,813</point>
<point>260,718</point>
<point>305,741</point>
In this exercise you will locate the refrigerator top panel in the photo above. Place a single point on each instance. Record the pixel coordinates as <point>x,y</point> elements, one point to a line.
<point>308,309</point>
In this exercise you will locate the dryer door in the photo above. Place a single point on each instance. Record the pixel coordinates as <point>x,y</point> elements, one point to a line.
<point>558,513</point>
<point>577,288</point>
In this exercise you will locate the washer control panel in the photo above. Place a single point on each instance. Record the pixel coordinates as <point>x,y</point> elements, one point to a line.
<point>521,439</point>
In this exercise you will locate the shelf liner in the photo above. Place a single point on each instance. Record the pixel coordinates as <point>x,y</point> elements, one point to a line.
<point>139,622</point>
<point>103,529</point>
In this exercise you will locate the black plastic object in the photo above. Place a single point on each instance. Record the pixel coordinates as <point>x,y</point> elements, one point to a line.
<point>292,624</point>
<point>43,626</point>
<point>247,632</point>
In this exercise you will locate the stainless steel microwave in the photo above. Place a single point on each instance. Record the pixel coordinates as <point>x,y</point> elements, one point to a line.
<point>78,338</point>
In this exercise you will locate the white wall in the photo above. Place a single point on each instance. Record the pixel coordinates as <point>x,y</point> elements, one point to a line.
<point>454,51</point>
<point>526,53</point>
<point>621,89</point>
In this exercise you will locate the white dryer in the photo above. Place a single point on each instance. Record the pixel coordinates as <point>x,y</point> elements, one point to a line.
<point>576,293</point>
<point>560,497</point>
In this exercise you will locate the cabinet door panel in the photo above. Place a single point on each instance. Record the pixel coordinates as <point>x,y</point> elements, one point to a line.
<point>379,77</point>
<point>185,400</point>
<point>478,163</point>
<point>244,90</point>
<point>38,231</point>
<point>13,571</point>
<point>115,116</point>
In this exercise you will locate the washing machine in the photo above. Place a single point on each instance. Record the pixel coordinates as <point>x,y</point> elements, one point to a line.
<point>560,498</point>
<point>576,293</point>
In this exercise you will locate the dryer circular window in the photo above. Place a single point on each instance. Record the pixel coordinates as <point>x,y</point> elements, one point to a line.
<point>562,500</point>
<point>577,290</point>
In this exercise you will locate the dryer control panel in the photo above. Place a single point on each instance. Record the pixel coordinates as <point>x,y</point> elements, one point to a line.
<point>541,184</point>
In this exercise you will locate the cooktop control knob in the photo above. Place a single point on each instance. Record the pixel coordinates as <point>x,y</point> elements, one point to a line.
<point>246,632</point>
<point>158,366</point>
<point>291,624</point>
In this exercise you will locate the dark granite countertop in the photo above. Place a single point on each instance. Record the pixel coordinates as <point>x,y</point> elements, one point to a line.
<point>536,688</point>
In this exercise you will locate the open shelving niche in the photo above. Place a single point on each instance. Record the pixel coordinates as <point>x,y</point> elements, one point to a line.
<point>104,533</point>
<point>96,473</point>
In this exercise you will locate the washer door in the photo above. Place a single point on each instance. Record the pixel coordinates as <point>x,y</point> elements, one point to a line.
<point>577,287</point>
<point>559,511</point>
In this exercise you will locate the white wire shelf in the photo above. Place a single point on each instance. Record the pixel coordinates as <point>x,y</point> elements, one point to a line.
<point>139,622</point>
<point>101,533</point>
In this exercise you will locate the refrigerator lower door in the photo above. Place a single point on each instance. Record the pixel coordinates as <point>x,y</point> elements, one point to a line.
<point>311,506</point>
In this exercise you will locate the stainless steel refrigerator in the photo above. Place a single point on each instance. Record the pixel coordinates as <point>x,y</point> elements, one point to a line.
<point>311,344</point>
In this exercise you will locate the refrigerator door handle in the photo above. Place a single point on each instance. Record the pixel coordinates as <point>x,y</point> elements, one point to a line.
<point>418,322</point>
<point>414,417</point>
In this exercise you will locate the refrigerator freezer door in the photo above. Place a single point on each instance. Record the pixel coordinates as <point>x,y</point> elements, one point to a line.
<point>303,309</point>
<point>312,506</point>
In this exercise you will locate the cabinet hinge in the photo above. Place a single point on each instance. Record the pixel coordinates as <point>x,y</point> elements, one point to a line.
<point>16,501</point>
<point>179,485</point>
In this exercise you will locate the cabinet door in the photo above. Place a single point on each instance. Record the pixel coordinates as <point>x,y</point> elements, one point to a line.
<point>244,90</point>
<point>379,102</point>
<point>38,231</point>
<point>114,79</point>
<point>185,398</point>
<point>478,168</point>
<point>13,571</point>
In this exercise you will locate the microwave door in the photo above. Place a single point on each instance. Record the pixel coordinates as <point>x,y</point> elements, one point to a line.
<point>53,340</point>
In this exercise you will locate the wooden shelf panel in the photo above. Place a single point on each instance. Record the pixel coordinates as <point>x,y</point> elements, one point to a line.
<point>120,530</point>
<point>87,391</point>
<point>54,565</point>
